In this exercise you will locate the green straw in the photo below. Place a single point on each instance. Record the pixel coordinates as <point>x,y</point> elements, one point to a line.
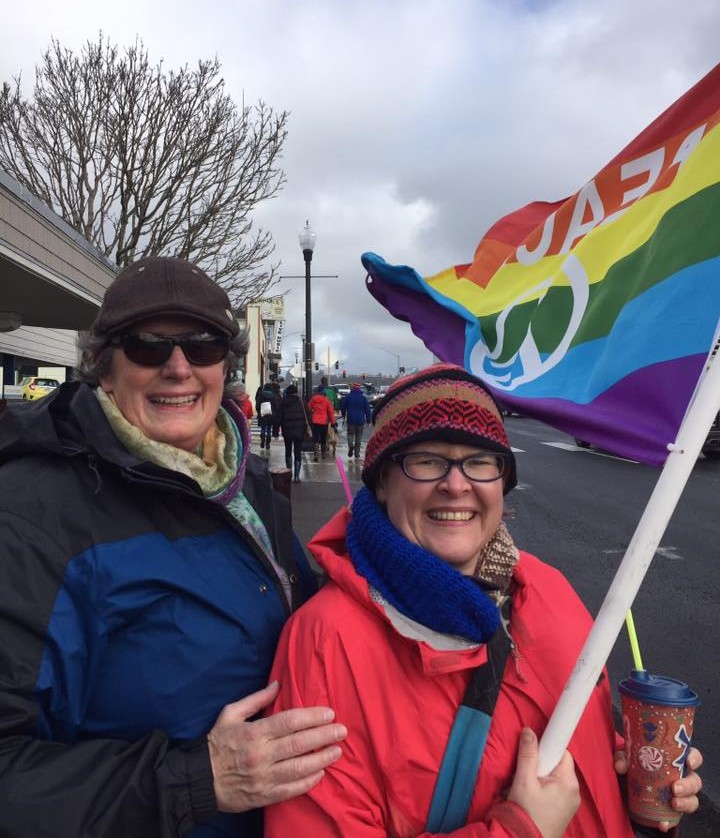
<point>630,623</point>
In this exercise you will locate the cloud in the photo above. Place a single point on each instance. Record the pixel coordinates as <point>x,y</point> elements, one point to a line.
<point>415,124</point>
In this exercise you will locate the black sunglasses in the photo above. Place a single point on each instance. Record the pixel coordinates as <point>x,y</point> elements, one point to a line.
<point>148,350</point>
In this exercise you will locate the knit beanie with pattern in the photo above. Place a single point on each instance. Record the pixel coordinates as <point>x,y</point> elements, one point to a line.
<point>443,402</point>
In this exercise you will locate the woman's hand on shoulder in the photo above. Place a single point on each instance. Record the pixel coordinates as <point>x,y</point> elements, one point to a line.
<point>255,763</point>
<point>685,791</point>
<point>550,801</point>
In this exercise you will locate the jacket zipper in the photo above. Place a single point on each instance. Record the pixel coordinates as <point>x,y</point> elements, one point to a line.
<point>514,651</point>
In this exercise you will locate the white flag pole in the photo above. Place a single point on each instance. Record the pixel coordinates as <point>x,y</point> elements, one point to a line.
<point>631,572</point>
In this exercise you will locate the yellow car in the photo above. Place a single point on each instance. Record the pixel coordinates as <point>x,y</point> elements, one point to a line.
<point>32,387</point>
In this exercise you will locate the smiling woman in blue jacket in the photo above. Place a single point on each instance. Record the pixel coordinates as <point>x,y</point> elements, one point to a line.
<point>148,566</point>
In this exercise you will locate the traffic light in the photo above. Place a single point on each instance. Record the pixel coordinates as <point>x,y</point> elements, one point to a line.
<point>344,374</point>
<point>363,376</point>
<point>317,366</point>
<point>401,369</point>
<point>337,365</point>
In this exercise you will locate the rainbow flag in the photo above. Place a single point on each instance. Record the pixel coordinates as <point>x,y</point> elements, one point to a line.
<point>596,313</point>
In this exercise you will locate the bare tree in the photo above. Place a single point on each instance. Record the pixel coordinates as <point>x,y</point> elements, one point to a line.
<point>143,161</point>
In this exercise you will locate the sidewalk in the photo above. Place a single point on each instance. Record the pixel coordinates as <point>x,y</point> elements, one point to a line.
<point>320,493</point>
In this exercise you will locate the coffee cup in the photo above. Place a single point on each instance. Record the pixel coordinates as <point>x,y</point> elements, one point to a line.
<point>658,715</point>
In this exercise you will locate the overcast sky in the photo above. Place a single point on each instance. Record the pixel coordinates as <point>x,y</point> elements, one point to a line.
<point>415,124</point>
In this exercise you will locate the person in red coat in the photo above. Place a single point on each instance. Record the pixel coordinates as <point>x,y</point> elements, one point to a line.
<point>322,416</point>
<point>443,648</point>
<point>242,400</point>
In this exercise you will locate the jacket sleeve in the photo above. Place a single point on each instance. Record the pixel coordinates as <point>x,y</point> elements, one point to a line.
<point>50,785</point>
<point>349,800</point>
<point>103,788</point>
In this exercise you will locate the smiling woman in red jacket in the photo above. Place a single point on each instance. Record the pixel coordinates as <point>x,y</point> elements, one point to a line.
<point>443,648</point>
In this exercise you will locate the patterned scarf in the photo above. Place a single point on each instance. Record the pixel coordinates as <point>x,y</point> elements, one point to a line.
<point>422,586</point>
<point>218,467</point>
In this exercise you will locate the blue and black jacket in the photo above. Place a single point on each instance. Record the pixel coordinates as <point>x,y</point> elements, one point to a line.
<point>132,610</point>
<point>356,408</point>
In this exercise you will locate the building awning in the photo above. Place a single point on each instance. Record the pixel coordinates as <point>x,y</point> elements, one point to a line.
<point>49,275</point>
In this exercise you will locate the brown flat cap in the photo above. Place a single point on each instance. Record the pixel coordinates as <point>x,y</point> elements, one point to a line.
<point>164,285</point>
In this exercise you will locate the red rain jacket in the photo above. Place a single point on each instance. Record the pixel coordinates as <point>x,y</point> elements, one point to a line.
<point>398,698</point>
<point>321,410</point>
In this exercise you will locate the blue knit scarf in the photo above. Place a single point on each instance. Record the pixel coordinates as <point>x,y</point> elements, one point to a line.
<point>420,585</point>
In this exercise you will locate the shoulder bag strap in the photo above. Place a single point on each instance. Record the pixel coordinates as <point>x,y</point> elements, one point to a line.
<point>307,422</point>
<point>461,762</point>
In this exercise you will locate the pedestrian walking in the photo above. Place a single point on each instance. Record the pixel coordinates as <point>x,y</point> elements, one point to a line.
<point>275,384</point>
<point>356,409</point>
<point>293,422</point>
<point>322,415</point>
<point>330,392</point>
<point>267,405</point>
<point>240,396</point>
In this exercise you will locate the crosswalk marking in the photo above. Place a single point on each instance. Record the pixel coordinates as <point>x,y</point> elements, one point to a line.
<point>568,446</point>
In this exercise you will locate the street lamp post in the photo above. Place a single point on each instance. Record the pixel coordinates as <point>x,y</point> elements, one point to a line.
<point>307,240</point>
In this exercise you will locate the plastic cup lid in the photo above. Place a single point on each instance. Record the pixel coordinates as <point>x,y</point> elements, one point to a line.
<point>658,689</point>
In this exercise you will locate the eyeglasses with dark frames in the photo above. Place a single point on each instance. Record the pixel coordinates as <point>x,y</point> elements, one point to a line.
<point>149,350</point>
<point>426,466</point>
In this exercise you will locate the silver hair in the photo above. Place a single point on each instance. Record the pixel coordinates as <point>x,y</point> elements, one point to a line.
<point>236,388</point>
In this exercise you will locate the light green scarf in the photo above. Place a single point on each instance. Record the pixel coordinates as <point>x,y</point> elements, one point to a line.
<point>213,467</point>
